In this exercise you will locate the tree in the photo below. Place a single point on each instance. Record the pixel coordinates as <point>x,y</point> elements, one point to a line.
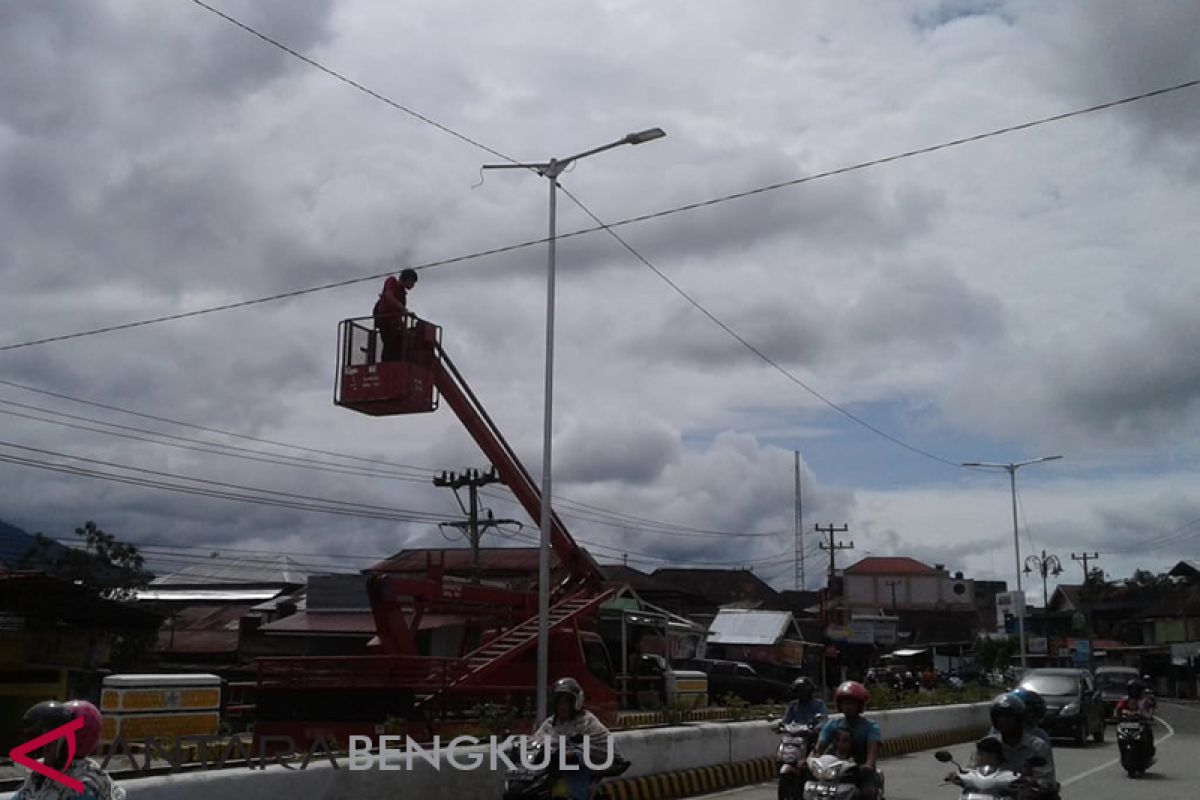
<point>993,654</point>
<point>116,570</point>
<point>1094,586</point>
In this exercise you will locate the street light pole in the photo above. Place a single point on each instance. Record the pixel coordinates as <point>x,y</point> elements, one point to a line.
<point>551,170</point>
<point>1012,468</point>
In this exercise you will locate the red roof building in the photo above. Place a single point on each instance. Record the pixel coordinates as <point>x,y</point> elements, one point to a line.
<point>889,565</point>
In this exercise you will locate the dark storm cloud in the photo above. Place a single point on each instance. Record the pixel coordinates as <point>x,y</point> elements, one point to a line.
<point>1107,49</point>
<point>1136,383</point>
<point>923,313</point>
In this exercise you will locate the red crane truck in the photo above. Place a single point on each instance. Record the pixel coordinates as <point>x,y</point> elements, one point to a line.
<point>308,698</point>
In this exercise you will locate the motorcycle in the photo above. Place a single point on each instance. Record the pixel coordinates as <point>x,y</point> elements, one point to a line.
<point>1134,743</point>
<point>834,779</point>
<point>538,773</point>
<point>993,783</point>
<point>795,743</point>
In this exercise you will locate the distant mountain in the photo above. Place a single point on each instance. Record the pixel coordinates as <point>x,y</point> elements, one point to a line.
<point>14,544</point>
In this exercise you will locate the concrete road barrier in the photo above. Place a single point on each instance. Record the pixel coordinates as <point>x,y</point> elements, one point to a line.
<point>666,763</point>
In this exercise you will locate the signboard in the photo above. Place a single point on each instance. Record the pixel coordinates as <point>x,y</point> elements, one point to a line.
<point>838,633</point>
<point>1083,652</point>
<point>862,631</point>
<point>790,652</point>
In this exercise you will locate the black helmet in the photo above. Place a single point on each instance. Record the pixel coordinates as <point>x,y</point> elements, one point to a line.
<point>1135,688</point>
<point>1009,703</point>
<point>568,687</point>
<point>1035,706</point>
<point>802,687</point>
<point>409,275</point>
<point>46,716</point>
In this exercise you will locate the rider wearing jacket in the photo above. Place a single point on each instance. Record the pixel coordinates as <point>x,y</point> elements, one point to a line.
<point>1010,720</point>
<point>569,720</point>
<point>1137,704</point>
<point>97,785</point>
<point>804,708</point>
<point>1035,712</point>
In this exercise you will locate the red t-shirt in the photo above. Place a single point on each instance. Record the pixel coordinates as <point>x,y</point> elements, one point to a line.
<point>393,300</point>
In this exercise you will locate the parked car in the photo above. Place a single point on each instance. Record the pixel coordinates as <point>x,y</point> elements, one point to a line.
<point>1073,705</point>
<point>1111,683</point>
<point>739,679</point>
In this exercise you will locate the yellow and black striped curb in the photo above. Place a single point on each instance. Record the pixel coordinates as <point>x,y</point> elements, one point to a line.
<point>931,739</point>
<point>638,719</point>
<point>705,780</point>
<point>690,782</point>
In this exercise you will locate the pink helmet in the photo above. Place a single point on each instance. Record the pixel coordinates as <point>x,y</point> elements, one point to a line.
<point>88,738</point>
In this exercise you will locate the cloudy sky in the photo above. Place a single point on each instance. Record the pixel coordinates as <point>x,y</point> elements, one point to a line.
<point>1025,295</point>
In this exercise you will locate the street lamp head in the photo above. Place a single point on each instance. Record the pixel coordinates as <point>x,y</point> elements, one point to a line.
<point>641,137</point>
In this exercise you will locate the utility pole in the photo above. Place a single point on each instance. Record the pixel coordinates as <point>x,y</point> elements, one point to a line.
<point>473,480</point>
<point>832,547</point>
<point>892,585</point>
<point>800,577</point>
<point>1085,558</point>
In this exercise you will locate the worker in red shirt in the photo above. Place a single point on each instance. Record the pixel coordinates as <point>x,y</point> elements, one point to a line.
<point>391,310</point>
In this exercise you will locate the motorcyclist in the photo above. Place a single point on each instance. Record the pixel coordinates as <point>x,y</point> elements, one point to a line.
<point>1010,719</point>
<point>989,752</point>
<point>1148,682</point>
<point>575,727</point>
<point>851,700</point>
<point>1138,705</point>
<point>1035,712</point>
<point>805,707</point>
<point>45,717</point>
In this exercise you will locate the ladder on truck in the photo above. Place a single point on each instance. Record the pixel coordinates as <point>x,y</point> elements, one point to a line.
<point>496,653</point>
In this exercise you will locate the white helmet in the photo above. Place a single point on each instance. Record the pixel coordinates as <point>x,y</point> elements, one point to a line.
<point>571,688</point>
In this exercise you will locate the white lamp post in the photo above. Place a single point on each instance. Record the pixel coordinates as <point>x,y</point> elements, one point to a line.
<point>551,170</point>
<point>1012,468</point>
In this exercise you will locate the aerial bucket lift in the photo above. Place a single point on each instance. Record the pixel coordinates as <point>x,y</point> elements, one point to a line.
<point>414,380</point>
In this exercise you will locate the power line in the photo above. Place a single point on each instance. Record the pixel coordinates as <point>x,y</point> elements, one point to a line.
<point>423,471</point>
<point>422,474</point>
<point>862,165</point>
<point>600,520</point>
<point>741,340</point>
<point>239,452</point>
<point>381,98</point>
<point>615,520</point>
<point>307,502</point>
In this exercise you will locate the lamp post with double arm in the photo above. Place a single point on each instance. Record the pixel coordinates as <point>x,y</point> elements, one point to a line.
<point>1012,468</point>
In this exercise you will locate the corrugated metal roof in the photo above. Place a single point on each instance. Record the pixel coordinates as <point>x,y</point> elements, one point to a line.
<point>491,559</point>
<point>207,595</point>
<point>211,629</point>
<point>278,569</point>
<point>328,624</point>
<point>735,626</point>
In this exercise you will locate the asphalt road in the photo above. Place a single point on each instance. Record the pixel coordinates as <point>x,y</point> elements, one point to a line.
<point>1091,772</point>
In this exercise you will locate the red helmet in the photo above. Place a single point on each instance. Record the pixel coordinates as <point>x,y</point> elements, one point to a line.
<point>852,690</point>
<point>88,737</point>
